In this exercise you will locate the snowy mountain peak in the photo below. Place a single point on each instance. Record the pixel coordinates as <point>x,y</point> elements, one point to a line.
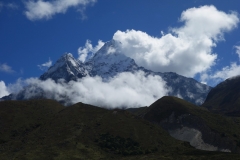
<point>108,61</point>
<point>110,47</point>
<point>67,56</point>
<point>67,67</point>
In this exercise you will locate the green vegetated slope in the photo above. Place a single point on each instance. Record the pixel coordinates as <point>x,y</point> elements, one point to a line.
<point>19,118</point>
<point>43,129</point>
<point>225,98</point>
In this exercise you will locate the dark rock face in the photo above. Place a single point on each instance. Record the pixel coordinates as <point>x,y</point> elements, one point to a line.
<point>225,97</point>
<point>190,123</point>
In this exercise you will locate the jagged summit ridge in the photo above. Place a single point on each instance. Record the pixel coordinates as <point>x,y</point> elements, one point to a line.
<point>108,61</point>
<point>67,68</point>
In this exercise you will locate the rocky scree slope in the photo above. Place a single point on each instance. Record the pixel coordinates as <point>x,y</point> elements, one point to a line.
<point>196,125</point>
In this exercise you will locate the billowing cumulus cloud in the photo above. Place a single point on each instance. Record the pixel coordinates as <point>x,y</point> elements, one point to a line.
<point>88,51</point>
<point>186,50</point>
<point>226,72</point>
<point>3,89</point>
<point>6,68</point>
<point>45,65</point>
<point>123,90</point>
<point>40,9</point>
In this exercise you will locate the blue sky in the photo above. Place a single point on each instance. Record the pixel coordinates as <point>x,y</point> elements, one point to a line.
<point>30,37</point>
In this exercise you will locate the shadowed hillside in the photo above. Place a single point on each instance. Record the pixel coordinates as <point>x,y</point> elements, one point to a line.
<point>185,121</point>
<point>225,97</point>
<point>43,129</point>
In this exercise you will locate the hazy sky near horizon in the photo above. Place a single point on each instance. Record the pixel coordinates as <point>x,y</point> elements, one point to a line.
<point>198,38</point>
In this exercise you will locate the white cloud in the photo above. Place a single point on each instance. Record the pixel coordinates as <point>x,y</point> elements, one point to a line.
<point>6,68</point>
<point>88,51</point>
<point>39,9</point>
<point>237,50</point>
<point>45,65</point>
<point>123,90</point>
<point>206,22</point>
<point>186,50</point>
<point>12,6</point>
<point>16,87</point>
<point>3,89</point>
<point>8,5</point>
<point>111,50</point>
<point>226,72</point>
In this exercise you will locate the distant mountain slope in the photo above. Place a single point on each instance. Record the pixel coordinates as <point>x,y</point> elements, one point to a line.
<point>43,129</point>
<point>185,121</point>
<point>225,97</point>
<point>186,88</point>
